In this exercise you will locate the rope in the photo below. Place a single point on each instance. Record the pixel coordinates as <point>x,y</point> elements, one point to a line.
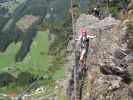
<point>74,95</point>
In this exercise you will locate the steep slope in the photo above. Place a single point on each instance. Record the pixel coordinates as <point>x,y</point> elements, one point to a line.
<point>97,84</point>
<point>109,75</point>
<point>110,72</point>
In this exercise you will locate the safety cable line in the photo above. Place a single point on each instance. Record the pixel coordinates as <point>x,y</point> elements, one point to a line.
<point>74,67</point>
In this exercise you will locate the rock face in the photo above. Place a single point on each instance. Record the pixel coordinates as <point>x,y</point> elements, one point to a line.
<point>106,87</point>
<point>127,38</point>
<point>111,76</point>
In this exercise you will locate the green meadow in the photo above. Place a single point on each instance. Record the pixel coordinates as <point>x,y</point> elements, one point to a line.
<point>35,61</point>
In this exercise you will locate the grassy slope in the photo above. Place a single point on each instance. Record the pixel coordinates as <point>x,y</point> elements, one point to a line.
<point>34,60</point>
<point>37,58</point>
<point>37,61</point>
<point>8,57</point>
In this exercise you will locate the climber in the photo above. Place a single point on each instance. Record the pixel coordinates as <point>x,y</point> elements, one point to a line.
<point>84,44</point>
<point>96,12</point>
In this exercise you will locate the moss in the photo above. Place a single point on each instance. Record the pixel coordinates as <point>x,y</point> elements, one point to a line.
<point>114,10</point>
<point>25,78</point>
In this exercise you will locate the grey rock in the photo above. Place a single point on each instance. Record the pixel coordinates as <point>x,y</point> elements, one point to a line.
<point>110,84</point>
<point>130,92</point>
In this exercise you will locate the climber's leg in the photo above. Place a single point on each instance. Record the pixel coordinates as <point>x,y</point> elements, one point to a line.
<point>82,55</point>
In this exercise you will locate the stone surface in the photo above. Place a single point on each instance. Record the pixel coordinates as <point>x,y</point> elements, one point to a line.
<point>111,74</point>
